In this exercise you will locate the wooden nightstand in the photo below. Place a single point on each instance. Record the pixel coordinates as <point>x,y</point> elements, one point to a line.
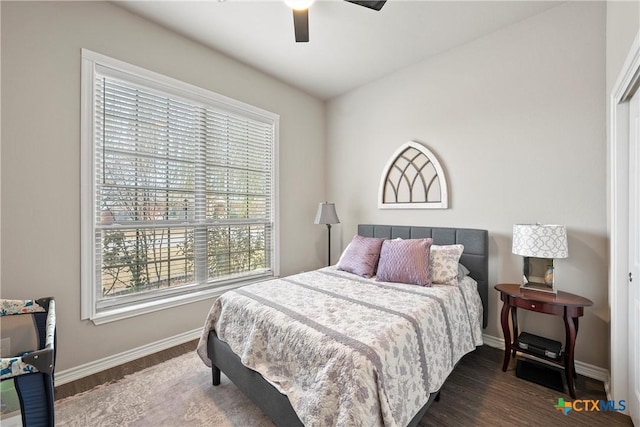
<point>564,304</point>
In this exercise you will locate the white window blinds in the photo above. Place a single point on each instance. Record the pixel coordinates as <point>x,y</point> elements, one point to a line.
<point>183,193</point>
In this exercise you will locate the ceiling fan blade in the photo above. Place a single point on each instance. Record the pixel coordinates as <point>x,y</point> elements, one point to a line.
<point>375,5</point>
<point>301,24</point>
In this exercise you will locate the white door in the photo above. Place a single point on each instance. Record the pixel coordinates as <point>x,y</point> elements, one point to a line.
<point>634,259</point>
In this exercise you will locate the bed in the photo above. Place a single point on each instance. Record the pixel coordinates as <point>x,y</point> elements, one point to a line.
<point>300,368</point>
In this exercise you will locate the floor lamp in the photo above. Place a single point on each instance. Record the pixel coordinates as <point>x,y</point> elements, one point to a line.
<point>327,215</point>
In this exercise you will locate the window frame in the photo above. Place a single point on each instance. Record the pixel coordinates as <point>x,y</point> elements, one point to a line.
<point>184,294</point>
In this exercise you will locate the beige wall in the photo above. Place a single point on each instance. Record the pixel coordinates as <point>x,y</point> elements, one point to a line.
<point>41,45</point>
<point>623,23</point>
<point>517,120</point>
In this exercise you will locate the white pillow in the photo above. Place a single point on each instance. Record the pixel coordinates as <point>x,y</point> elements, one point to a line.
<point>444,264</point>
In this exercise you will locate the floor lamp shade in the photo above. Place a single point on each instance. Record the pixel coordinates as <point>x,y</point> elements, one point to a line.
<point>327,215</point>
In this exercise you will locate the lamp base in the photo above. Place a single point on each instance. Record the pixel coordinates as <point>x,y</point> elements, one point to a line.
<point>328,245</point>
<point>538,287</point>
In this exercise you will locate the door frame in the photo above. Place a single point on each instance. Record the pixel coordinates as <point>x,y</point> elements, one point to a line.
<point>618,221</point>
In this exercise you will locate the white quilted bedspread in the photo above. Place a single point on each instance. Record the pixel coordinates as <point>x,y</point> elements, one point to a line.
<point>349,351</point>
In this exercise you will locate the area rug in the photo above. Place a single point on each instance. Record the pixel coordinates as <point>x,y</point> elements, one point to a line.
<point>174,393</point>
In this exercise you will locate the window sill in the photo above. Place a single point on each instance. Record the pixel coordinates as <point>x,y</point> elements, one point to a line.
<point>118,313</point>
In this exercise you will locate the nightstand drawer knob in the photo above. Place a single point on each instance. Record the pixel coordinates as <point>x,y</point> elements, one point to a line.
<point>533,306</point>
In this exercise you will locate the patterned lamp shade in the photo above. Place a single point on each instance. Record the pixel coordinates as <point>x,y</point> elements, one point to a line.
<point>540,241</point>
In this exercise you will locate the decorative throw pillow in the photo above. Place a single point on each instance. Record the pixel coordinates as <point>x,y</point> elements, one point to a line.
<point>405,261</point>
<point>444,264</point>
<point>361,256</point>
<point>462,272</point>
<point>343,254</point>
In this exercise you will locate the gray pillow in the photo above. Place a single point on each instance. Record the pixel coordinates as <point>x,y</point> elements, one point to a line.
<point>462,272</point>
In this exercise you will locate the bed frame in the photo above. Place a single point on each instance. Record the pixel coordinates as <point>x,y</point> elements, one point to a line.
<point>275,404</point>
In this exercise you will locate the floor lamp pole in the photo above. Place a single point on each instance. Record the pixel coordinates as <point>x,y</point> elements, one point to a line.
<point>329,245</point>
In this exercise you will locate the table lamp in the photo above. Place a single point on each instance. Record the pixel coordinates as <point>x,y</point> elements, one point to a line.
<point>545,242</point>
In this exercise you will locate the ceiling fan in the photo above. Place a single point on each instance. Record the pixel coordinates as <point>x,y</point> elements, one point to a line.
<point>301,15</point>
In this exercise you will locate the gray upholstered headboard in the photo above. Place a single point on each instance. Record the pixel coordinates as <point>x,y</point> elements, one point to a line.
<point>475,255</point>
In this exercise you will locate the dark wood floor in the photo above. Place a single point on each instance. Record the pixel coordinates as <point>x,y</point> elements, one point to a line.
<point>477,393</point>
<point>114,374</point>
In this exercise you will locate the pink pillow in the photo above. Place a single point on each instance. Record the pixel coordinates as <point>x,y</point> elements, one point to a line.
<point>405,261</point>
<point>361,256</point>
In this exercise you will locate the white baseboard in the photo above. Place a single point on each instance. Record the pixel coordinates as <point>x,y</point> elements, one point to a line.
<point>582,368</point>
<point>78,372</point>
<point>492,341</point>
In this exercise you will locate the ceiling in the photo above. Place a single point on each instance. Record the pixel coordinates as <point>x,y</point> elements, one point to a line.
<point>349,45</point>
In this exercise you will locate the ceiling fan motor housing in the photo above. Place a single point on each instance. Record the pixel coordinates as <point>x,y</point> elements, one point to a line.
<point>301,16</point>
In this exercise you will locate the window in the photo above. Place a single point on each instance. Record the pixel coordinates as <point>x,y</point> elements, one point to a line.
<point>178,191</point>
